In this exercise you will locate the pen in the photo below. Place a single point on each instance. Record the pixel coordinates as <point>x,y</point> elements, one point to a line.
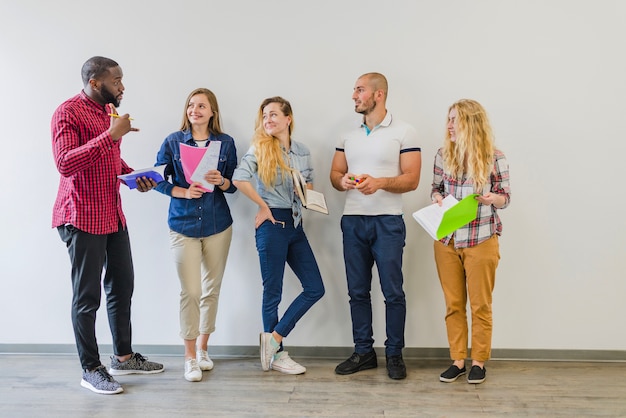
<point>113,115</point>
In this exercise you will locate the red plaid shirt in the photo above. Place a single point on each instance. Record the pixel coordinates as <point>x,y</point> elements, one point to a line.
<point>487,222</point>
<point>89,162</point>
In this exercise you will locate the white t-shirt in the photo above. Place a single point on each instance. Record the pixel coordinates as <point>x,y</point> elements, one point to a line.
<point>377,154</point>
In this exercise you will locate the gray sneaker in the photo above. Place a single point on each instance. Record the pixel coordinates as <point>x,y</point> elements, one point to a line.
<point>136,364</point>
<point>100,381</point>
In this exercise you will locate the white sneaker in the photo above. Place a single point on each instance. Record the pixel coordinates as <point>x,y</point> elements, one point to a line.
<point>204,361</point>
<point>192,370</point>
<point>267,350</point>
<point>284,364</point>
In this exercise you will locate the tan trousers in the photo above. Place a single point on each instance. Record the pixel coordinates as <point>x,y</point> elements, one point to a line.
<point>469,272</point>
<point>200,263</point>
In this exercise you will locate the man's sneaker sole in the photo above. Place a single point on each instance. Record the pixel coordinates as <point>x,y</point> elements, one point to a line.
<point>358,369</point>
<point>117,372</point>
<point>88,385</point>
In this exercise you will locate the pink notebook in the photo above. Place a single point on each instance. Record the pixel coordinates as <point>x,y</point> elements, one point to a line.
<point>196,161</point>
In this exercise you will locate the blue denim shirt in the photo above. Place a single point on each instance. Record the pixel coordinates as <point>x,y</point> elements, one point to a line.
<point>206,215</point>
<point>283,195</point>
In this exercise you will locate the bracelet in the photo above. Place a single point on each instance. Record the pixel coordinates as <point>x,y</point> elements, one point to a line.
<point>223,181</point>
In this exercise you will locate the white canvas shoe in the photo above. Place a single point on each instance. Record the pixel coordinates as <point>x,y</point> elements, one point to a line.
<point>204,361</point>
<point>285,364</point>
<point>267,349</point>
<point>192,371</point>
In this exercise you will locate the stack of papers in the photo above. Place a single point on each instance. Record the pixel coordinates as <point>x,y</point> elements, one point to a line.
<point>197,161</point>
<point>440,221</point>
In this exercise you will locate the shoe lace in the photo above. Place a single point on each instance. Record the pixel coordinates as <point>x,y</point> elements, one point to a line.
<point>204,355</point>
<point>140,359</point>
<point>102,371</point>
<point>191,364</point>
<point>355,358</point>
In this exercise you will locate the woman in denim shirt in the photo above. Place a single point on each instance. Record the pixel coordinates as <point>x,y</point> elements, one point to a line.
<point>200,225</point>
<point>279,234</point>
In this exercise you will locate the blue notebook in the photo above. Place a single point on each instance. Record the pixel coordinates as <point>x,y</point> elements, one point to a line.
<point>154,173</point>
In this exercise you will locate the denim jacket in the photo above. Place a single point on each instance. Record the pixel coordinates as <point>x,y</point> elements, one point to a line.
<point>282,195</point>
<point>206,215</point>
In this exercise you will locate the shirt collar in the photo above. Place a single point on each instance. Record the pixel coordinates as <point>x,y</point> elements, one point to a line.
<point>384,123</point>
<point>188,138</point>
<point>92,102</point>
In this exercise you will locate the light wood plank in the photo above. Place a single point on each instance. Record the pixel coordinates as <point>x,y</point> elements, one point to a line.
<point>40,385</point>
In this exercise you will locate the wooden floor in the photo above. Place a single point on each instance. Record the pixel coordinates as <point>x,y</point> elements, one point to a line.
<point>48,386</point>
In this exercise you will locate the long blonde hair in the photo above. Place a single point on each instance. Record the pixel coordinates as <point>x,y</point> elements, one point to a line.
<point>471,154</point>
<point>267,150</point>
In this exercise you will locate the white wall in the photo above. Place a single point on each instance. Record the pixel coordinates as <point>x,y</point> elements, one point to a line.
<point>550,73</point>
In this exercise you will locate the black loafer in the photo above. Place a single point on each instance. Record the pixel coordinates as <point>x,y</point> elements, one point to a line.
<point>452,374</point>
<point>477,375</point>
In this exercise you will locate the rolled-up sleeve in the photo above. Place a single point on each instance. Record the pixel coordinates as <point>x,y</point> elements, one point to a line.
<point>247,167</point>
<point>500,178</point>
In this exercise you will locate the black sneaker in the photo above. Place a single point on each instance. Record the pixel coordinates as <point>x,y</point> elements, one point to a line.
<point>477,375</point>
<point>358,362</point>
<point>452,374</point>
<point>395,367</point>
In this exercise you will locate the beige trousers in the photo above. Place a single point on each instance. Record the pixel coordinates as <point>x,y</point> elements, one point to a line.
<point>200,263</point>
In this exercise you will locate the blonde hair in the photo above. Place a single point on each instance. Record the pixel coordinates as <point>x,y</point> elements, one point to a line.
<point>267,150</point>
<point>471,154</point>
<point>214,122</point>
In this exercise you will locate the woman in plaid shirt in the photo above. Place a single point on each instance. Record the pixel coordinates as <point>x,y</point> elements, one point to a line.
<point>467,259</point>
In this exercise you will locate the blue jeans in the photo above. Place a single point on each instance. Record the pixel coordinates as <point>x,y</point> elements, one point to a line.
<point>89,255</point>
<point>278,244</point>
<point>380,239</point>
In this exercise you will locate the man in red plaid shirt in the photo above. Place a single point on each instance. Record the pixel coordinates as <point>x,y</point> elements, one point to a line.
<point>86,139</point>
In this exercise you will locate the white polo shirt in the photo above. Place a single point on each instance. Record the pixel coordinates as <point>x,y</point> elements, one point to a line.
<point>377,154</point>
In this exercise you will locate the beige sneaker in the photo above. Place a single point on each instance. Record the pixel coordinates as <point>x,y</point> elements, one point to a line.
<point>192,370</point>
<point>204,361</point>
<point>284,364</point>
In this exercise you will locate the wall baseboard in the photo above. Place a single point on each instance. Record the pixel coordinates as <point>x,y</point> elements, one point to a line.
<point>332,352</point>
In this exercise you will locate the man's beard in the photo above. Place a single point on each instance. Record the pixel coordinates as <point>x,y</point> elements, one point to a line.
<point>366,108</point>
<point>108,96</point>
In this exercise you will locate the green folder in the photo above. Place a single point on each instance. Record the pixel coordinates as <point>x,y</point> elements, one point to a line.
<point>458,215</point>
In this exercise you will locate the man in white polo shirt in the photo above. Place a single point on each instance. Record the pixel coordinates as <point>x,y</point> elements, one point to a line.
<point>374,164</point>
